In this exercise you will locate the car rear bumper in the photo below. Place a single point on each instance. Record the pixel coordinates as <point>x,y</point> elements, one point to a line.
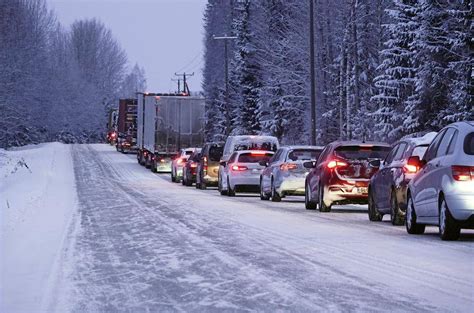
<point>461,206</point>
<point>346,195</point>
<point>247,181</point>
<point>163,168</point>
<point>292,186</point>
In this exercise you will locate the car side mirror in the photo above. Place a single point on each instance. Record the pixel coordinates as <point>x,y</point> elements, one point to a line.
<point>223,163</point>
<point>263,163</point>
<point>375,163</point>
<point>309,164</point>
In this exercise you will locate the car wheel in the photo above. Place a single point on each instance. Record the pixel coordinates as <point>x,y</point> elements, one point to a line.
<point>275,196</point>
<point>374,214</point>
<point>395,214</point>
<point>173,177</point>
<point>321,204</point>
<point>153,167</point>
<point>202,185</point>
<point>412,226</point>
<point>220,188</point>
<point>448,228</point>
<point>188,182</point>
<point>263,196</point>
<point>230,191</point>
<point>308,203</point>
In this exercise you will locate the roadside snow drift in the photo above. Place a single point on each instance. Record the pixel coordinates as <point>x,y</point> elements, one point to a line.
<point>37,200</point>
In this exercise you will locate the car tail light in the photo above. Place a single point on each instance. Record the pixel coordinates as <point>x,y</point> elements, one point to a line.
<point>336,163</point>
<point>204,163</point>
<point>463,173</point>
<point>239,168</point>
<point>288,166</point>
<point>153,158</point>
<point>145,153</point>
<point>162,160</point>
<point>179,161</point>
<point>258,152</point>
<point>410,168</point>
<point>193,165</point>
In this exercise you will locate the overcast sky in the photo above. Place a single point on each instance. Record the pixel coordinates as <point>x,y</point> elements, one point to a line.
<point>163,36</point>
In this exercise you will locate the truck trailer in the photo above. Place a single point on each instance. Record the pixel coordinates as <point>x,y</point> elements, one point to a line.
<point>166,124</point>
<point>127,125</point>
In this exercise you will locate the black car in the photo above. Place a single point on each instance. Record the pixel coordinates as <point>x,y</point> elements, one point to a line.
<point>388,187</point>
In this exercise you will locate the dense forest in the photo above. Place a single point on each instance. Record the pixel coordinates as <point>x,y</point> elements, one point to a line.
<point>383,68</point>
<point>58,83</point>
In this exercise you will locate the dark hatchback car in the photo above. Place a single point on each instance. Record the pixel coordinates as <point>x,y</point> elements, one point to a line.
<point>342,173</point>
<point>388,187</point>
<point>208,166</point>
<point>190,168</point>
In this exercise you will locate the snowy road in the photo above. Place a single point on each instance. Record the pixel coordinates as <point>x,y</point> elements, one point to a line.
<point>143,244</point>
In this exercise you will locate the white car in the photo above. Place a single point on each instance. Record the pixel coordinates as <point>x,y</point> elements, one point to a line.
<point>442,192</point>
<point>241,143</point>
<point>178,164</point>
<point>243,169</point>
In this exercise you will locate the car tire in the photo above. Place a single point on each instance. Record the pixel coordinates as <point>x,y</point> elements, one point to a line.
<point>374,214</point>
<point>275,196</point>
<point>448,227</point>
<point>322,206</point>
<point>153,167</point>
<point>202,185</point>
<point>263,196</point>
<point>188,182</point>
<point>412,226</point>
<point>396,217</point>
<point>230,191</point>
<point>173,177</point>
<point>308,203</point>
<point>219,187</point>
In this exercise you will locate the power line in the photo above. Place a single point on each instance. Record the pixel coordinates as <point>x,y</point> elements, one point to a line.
<point>190,62</point>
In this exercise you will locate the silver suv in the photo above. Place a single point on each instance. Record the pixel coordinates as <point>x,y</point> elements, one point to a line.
<point>442,193</point>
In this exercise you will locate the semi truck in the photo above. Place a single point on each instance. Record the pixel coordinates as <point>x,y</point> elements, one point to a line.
<point>127,125</point>
<point>167,123</point>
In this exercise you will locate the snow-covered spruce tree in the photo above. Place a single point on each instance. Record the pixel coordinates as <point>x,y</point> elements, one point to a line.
<point>133,82</point>
<point>247,111</point>
<point>217,22</point>
<point>440,67</point>
<point>395,84</point>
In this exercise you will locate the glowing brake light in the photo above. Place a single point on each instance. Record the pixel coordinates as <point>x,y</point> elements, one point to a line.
<point>162,160</point>
<point>204,161</point>
<point>463,173</point>
<point>258,152</point>
<point>239,168</point>
<point>179,161</point>
<point>288,166</point>
<point>193,165</point>
<point>336,163</point>
<point>410,168</point>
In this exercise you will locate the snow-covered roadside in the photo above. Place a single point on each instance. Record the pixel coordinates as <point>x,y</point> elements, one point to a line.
<point>37,203</point>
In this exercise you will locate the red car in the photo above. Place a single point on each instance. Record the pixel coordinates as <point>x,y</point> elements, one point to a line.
<point>342,173</point>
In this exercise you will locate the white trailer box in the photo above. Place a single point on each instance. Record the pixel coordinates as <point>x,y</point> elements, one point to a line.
<point>172,123</point>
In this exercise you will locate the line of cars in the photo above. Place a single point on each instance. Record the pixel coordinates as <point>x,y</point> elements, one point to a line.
<point>418,181</point>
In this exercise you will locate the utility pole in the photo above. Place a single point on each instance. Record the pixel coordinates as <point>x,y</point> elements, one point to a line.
<point>312,73</point>
<point>179,83</point>
<point>185,84</point>
<point>226,78</point>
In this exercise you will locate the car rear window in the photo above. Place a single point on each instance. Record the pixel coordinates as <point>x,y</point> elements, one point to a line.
<point>189,152</point>
<point>419,151</point>
<point>254,157</point>
<point>304,154</point>
<point>469,144</point>
<point>266,146</point>
<point>215,153</point>
<point>358,152</point>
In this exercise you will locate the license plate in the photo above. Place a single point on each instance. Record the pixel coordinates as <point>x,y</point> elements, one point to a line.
<point>255,171</point>
<point>362,190</point>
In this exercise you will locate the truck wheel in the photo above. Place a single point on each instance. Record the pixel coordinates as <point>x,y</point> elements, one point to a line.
<point>412,226</point>
<point>448,228</point>
<point>322,205</point>
<point>374,214</point>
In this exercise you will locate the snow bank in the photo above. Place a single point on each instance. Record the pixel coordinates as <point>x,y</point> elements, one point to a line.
<point>37,200</point>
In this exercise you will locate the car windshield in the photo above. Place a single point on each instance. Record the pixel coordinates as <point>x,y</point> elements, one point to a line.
<point>266,145</point>
<point>419,151</point>
<point>304,154</point>
<point>215,153</point>
<point>469,144</point>
<point>362,152</point>
<point>254,157</point>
